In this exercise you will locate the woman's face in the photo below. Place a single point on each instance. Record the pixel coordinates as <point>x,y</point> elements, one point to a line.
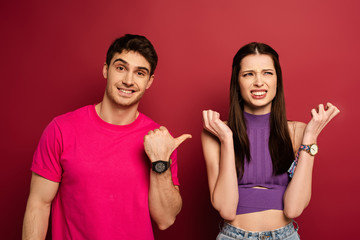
<point>257,81</point>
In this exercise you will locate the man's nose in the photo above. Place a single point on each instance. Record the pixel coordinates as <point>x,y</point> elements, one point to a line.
<point>129,79</point>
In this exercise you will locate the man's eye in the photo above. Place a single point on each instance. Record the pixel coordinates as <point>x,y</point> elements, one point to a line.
<point>141,73</point>
<point>121,68</point>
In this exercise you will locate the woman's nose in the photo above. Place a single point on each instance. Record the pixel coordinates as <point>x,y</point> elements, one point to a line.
<point>258,81</point>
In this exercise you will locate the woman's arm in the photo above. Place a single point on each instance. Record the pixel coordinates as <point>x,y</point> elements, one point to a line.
<point>298,193</point>
<point>218,149</point>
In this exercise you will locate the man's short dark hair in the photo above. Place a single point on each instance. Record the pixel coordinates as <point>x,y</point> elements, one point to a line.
<point>136,43</point>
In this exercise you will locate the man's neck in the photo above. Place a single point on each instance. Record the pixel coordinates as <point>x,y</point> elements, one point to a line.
<point>115,114</point>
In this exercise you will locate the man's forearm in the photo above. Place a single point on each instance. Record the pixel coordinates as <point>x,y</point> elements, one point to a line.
<point>164,199</point>
<point>36,222</point>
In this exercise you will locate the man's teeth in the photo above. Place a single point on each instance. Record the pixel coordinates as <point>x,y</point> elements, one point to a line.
<point>258,93</point>
<point>126,91</point>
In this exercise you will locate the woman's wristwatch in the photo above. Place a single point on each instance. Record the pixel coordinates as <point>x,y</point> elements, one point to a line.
<point>312,149</point>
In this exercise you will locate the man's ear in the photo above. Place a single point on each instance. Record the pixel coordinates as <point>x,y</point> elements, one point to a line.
<point>105,70</point>
<point>151,80</point>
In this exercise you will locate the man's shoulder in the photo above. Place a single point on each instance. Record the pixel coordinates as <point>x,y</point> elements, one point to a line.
<point>150,124</point>
<point>74,115</point>
<point>72,118</point>
<point>147,121</point>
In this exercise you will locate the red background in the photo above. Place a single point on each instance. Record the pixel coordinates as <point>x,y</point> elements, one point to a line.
<point>52,55</point>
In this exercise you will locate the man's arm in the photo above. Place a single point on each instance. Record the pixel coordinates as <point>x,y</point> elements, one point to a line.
<point>42,192</point>
<point>164,198</point>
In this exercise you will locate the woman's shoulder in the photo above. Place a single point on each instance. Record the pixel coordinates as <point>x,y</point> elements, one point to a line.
<point>296,126</point>
<point>296,131</point>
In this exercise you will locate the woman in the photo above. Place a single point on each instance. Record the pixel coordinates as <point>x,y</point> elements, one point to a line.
<point>248,157</point>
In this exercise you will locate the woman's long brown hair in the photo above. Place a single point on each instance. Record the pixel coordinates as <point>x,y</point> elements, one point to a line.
<point>280,145</point>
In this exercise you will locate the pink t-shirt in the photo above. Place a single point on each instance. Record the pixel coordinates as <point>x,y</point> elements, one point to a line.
<point>104,176</point>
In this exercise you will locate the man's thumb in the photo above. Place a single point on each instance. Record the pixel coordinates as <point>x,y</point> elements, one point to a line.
<point>181,139</point>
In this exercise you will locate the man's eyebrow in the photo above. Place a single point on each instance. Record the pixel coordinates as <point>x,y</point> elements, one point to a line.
<point>144,68</point>
<point>121,60</point>
<point>126,63</point>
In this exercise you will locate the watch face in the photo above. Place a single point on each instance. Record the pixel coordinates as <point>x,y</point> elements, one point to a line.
<point>313,149</point>
<point>160,167</point>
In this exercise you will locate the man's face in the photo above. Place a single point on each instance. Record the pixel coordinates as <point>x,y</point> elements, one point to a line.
<point>128,76</point>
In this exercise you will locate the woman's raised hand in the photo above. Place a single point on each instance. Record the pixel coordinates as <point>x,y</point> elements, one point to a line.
<point>213,124</point>
<point>320,118</point>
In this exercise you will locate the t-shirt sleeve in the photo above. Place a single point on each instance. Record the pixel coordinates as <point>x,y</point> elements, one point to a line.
<point>46,160</point>
<point>174,168</point>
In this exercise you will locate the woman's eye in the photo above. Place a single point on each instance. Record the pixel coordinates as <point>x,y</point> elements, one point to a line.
<point>247,74</point>
<point>269,73</point>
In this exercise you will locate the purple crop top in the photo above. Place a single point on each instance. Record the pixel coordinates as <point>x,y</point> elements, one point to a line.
<point>259,171</point>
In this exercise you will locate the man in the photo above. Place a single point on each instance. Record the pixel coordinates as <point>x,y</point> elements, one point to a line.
<point>92,166</point>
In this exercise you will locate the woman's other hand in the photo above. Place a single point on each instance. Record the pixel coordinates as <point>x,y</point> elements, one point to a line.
<point>320,118</point>
<point>213,124</point>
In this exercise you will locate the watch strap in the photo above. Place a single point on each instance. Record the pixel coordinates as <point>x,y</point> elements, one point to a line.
<point>305,147</point>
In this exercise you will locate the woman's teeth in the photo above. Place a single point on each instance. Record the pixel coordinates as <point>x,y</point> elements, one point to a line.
<point>258,93</point>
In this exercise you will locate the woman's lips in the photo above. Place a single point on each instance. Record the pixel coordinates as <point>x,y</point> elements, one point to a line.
<point>258,94</point>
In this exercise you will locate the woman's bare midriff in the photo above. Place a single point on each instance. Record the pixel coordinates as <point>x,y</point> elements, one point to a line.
<point>261,221</point>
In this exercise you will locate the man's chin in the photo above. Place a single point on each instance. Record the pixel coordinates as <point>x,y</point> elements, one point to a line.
<point>127,104</point>
<point>122,102</point>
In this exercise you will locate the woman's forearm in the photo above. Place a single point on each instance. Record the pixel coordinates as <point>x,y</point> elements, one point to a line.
<point>225,196</point>
<point>298,193</point>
